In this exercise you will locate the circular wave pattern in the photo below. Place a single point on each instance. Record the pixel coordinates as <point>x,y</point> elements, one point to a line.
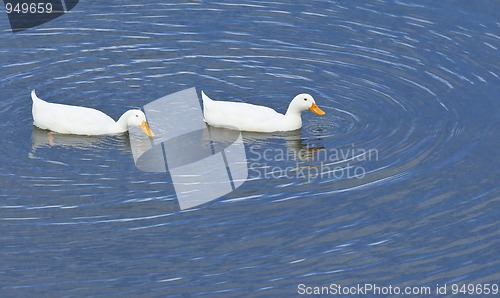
<point>408,91</point>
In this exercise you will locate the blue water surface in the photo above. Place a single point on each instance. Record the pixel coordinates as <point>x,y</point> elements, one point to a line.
<point>410,90</point>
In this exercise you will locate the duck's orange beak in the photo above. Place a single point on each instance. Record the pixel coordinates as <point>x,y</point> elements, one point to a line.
<point>316,109</point>
<point>145,128</point>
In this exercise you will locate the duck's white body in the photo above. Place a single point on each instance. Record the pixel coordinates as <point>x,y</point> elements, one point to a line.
<point>250,117</point>
<point>77,120</point>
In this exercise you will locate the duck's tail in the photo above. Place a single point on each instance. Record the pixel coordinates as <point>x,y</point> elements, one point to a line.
<point>205,97</point>
<point>34,97</point>
<point>206,103</point>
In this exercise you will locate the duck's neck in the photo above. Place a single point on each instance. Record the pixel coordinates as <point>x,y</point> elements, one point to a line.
<point>293,112</point>
<point>292,115</point>
<point>122,124</point>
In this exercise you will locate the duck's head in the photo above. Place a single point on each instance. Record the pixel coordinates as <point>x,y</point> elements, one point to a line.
<point>304,102</point>
<point>137,118</point>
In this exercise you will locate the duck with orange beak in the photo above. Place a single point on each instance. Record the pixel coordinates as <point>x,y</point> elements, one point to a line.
<point>250,117</point>
<point>67,119</point>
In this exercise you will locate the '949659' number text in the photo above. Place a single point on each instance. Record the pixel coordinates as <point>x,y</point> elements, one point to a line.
<point>28,8</point>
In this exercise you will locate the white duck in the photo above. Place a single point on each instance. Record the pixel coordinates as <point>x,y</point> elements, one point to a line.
<point>77,120</point>
<point>249,117</point>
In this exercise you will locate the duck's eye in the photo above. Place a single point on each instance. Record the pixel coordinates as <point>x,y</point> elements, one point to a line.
<point>137,116</point>
<point>305,99</point>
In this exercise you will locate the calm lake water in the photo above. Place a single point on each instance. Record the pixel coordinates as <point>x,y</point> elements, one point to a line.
<point>397,185</point>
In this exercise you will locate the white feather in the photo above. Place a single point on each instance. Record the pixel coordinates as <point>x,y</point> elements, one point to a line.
<point>250,117</point>
<point>78,120</point>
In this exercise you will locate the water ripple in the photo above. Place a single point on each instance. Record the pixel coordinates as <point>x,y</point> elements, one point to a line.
<point>410,100</point>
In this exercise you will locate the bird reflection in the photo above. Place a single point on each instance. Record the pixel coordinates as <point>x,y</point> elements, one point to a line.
<point>302,149</point>
<point>297,147</point>
<point>41,138</point>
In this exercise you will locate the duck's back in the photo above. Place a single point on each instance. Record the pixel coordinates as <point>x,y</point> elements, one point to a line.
<point>70,119</point>
<point>240,116</point>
